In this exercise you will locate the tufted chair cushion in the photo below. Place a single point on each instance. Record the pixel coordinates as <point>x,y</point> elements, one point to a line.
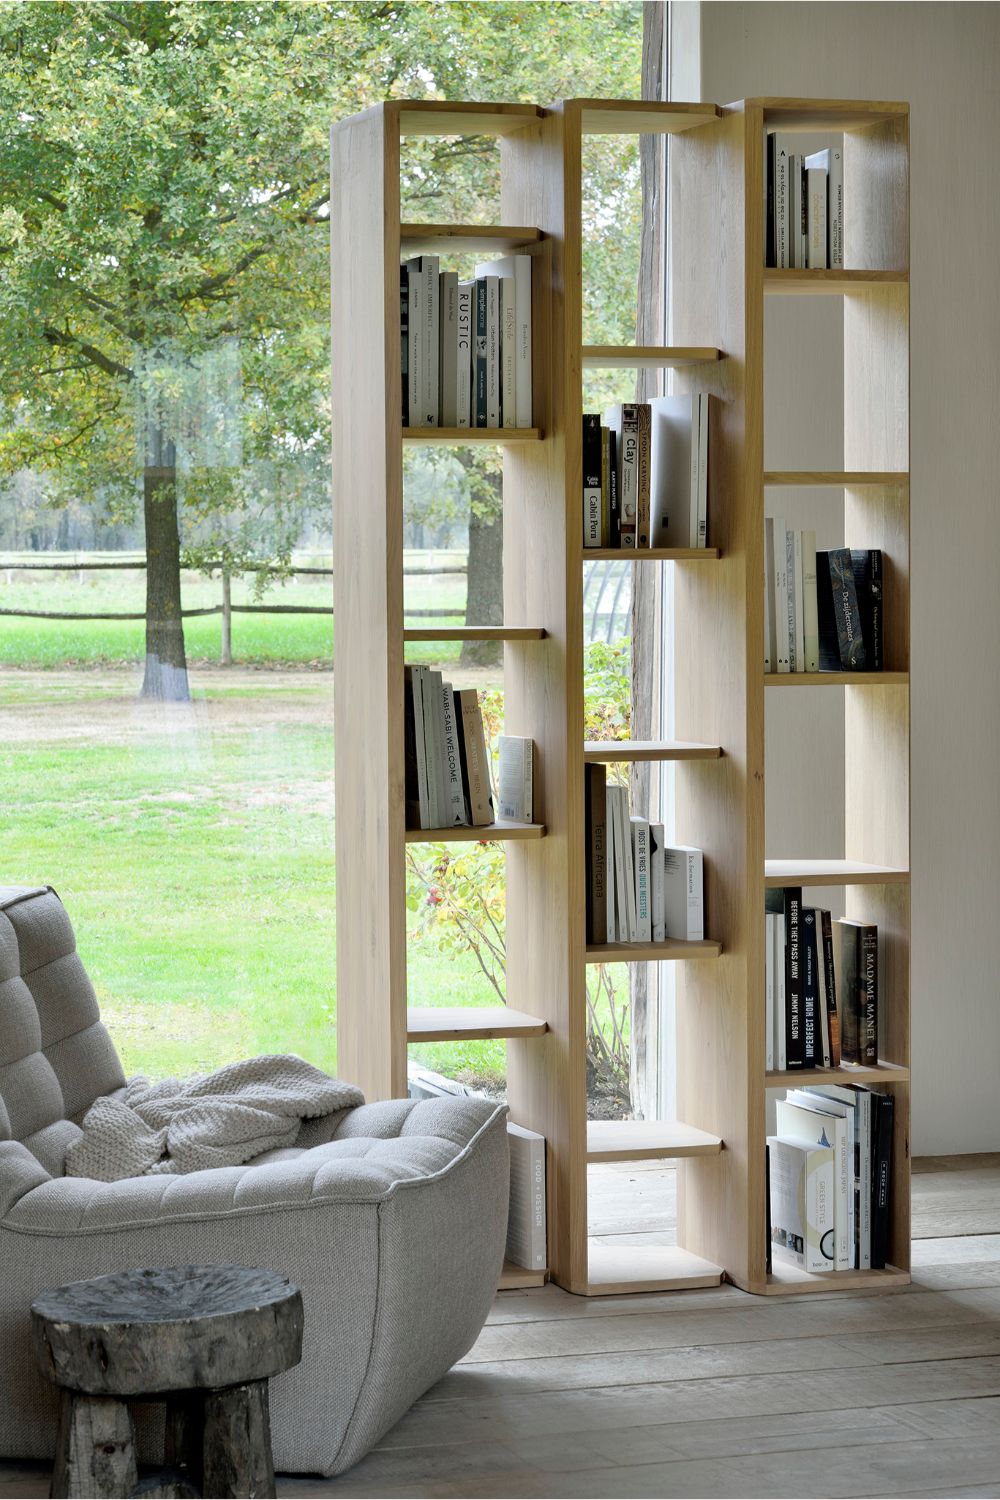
<point>55,1055</point>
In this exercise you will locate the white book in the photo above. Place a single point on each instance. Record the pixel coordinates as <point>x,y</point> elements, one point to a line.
<point>816,183</point>
<point>465,353</point>
<point>810,606</point>
<point>673,471</point>
<point>859,1100</point>
<point>440,763</point>
<point>683,892</point>
<point>795,210</point>
<point>782,204</point>
<point>415,339</point>
<point>790,616</point>
<point>492,351</point>
<point>624,874</point>
<point>448,348</point>
<point>657,909</point>
<point>611,879</point>
<point>780,1035</point>
<point>699,533</point>
<point>526,1214</point>
<point>802,1203</point>
<point>813,1098</point>
<point>518,267</point>
<point>810,1122</point>
<point>783,659</point>
<point>769,990</point>
<point>429,318</point>
<point>458,812</point>
<point>835,207</point>
<point>770,639</point>
<point>417,675</point>
<point>800,635</point>
<point>515,777</point>
<point>643,895</point>
<point>508,351</point>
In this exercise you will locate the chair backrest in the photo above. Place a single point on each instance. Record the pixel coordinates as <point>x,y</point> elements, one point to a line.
<point>55,1055</point>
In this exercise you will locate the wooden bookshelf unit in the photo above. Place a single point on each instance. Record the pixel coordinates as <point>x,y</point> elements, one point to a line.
<point>719,286</point>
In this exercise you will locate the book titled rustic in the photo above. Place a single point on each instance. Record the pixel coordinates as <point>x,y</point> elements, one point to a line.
<point>464,371</point>
<point>515,777</point>
<point>596,823</point>
<point>526,1229</point>
<point>802,1203</point>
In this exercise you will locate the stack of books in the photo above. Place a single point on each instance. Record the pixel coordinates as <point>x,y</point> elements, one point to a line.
<point>805,205</point>
<point>645,474</point>
<point>829,1171</point>
<point>821,986</point>
<point>639,889</point>
<point>822,610</point>
<point>466,345</point>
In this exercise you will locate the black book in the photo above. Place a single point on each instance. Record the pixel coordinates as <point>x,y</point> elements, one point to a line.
<point>881,1177</point>
<point>595,793</point>
<point>482,352</point>
<point>845,609</point>
<point>829,645</point>
<point>812,1034</point>
<point>592,479</point>
<point>826,959</point>
<point>614,503</point>
<point>867,566</point>
<point>868,994</point>
<point>411,782</point>
<point>845,939</point>
<point>771,255</point>
<point>794,1031</point>
<point>404,350</point>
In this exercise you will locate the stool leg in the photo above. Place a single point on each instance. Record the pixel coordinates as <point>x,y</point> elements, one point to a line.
<point>185,1436</point>
<point>237,1453</point>
<point>95,1448</point>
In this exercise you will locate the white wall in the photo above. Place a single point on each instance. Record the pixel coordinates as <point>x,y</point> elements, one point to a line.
<point>944,59</point>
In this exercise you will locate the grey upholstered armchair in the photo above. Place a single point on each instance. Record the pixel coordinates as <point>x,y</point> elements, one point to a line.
<point>390,1217</point>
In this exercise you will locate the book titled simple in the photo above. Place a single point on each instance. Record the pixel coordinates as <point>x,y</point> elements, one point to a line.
<point>526,1229</point>
<point>802,1203</point>
<point>516,755</point>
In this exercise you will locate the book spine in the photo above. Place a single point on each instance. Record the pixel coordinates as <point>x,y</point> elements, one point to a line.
<point>614,501</point>
<point>700,535</point>
<point>810,615</point>
<point>508,351</point>
<point>514,793</point>
<point>835,208</point>
<point>448,348</point>
<point>628,863</point>
<point>881,1179</point>
<point>522,377</point>
<point>477,769</point>
<point>464,359</point>
<point>782,206</point>
<point>845,608</point>
<point>782,656</point>
<point>868,1123</point>
<point>830,987</point>
<point>624,922</point>
<point>415,336</point>
<point>769,659</point>
<point>411,775</point>
<point>492,351</point>
<point>780,994</point>
<point>591,480</point>
<point>404,340</point>
<point>800,619</point>
<point>816,216</point>
<point>629,475</point>
<point>420,741</point>
<point>794,1035</point>
<point>526,1230</point>
<point>866,565</point>
<point>769,234</point>
<point>443,775</point>
<point>795,259</point>
<point>657,908</point>
<point>695,439</point>
<point>482,352</point>
<point>605,486</point>
<point>769,990</point>
<point>809,952</point>
<point>431,376</point>
<point>845,951</point>
<point>611,879</point>
<point>456,795</point>
<point>640,861</point>
<point>829,645</point>
<point>868,993</point>
<point>803,211</point>
<point>597,854</point>
<point>790,596</point>
<point>642,504</point>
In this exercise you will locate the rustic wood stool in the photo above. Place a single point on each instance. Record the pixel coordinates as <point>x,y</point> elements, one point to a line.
<point>204,1339</point>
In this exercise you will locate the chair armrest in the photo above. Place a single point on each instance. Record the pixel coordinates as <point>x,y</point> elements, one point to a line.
<point>19,1173</point>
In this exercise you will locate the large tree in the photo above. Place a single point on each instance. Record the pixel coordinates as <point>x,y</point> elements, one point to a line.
<point>163,186</point>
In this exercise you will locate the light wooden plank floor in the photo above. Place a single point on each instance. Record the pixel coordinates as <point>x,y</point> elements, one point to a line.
<point>714,1392</point>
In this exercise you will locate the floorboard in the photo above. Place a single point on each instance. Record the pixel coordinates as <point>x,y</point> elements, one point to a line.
<point>713,1392</point>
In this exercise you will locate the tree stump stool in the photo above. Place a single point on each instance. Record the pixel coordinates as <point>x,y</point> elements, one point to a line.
<point>204,1339</point>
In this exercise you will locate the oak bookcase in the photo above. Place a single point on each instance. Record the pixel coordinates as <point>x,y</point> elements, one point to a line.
<point>719,284</point>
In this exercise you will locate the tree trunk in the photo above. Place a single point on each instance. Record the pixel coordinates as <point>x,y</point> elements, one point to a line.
<point>484,597</point>
<point>166,674</point>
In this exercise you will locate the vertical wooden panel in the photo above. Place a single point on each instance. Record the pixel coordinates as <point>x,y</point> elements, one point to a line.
<point>546,1079</point>
<point>368,596</point>
<point>877,196</point>
<point>717,256</point>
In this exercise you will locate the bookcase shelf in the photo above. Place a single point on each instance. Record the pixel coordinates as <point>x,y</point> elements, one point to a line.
<point>457,437</point>
<point>647,1140</point>
<point>461,833</point>
<point>648,357</point>
<point>778,872</point>
<point>465,239</point>
<point>607,752</point>
<point>460,1023</point>
<point>786,1280</point>
<point>671,951</point>
<point>716,258</point>
<point>836,679</point>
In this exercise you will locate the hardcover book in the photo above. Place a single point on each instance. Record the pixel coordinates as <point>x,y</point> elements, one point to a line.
<point>475,767</point>
<point>591,479</point>
<point>673,470</point>
<point>640,863</point>
<point>845,608</point>
<point>811,1050</point>
<point>802,1209</point>
<point>868,994</point>
<point>846,959</point>
<point>867,568</point>
<point>595,789</point>
<point>658,913</point>
<point>794,1032</point>
<point>526,1229</point>
<point>448,348</point>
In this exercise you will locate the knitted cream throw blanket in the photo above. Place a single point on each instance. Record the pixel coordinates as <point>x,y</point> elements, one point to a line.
<point>220,1119</point>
